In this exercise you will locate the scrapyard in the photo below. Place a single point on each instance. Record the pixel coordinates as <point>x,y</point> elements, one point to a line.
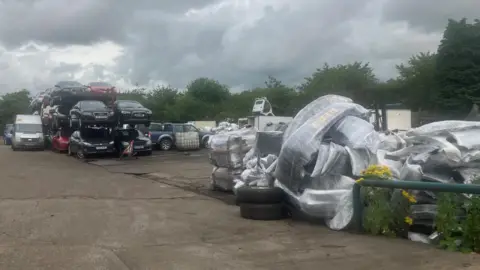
<point>179,210</point>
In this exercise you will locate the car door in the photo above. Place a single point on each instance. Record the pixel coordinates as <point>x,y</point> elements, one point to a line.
<point>155,131</point>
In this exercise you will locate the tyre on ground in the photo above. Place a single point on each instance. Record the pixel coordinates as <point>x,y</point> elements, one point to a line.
<point>262,211</point>
<point>260,195</point>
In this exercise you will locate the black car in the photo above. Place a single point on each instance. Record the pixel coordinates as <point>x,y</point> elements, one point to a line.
<point>141,143</point>
<point>91,112</point>
<point>60,117</point>
<point>90,141</point>
<point>65,89</point>
<point>132,112</point>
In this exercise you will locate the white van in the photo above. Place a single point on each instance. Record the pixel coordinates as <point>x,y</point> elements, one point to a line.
<point>27,132</point>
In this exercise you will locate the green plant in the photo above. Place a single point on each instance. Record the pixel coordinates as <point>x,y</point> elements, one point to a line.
<point>460,229</point>
<point>387,211</point>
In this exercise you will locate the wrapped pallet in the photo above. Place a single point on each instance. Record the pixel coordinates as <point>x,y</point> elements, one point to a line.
<point>224,178</point>
<point>227,150</point>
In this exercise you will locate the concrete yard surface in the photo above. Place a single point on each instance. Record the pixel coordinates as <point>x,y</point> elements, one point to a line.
<point>156,213</point>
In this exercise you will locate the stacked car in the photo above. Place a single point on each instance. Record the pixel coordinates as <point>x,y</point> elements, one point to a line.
<point>87,119</point>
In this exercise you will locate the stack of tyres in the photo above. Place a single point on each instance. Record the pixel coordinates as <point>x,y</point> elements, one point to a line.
<point>261,203</point>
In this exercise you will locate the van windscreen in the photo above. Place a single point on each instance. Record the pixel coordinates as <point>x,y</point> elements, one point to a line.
<point>28,128</point>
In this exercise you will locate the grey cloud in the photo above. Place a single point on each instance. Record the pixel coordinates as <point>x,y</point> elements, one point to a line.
<point>60,22</point>
<point>238,46</point>
<point>430,15</point>
<point>288,42</point>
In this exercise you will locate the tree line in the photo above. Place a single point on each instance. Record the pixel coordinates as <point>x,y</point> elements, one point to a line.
<point>445,82</point>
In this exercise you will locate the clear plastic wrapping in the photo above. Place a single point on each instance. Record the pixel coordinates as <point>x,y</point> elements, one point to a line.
<point>228,150</point>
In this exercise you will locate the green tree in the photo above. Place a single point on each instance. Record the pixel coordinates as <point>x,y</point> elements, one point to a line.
<point>458,65</point>
<point>352,80</point>
<point>211,93</point>
<point>417,82</point>
<point>12,104</point>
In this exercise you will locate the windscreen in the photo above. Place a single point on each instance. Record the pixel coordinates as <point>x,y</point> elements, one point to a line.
<point>28,128</point>
<point>92,104</point>
<point>100,84</point>
<point>92,133</point>
<point>129,104</point>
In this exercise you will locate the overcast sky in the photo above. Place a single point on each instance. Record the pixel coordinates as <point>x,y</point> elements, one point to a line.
<point>238,42</point>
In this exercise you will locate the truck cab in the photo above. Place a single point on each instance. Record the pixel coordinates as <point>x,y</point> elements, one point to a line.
<point>27,132</point>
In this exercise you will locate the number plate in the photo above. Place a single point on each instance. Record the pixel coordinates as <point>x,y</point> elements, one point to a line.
<point>139,114</point>
<point>138,147</point>
<point>101,147</point>
<point>101,117</point>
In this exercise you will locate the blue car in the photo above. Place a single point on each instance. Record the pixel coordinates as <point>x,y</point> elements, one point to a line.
<point>7,135</point>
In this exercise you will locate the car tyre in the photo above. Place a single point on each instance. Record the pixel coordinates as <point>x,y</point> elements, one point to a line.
<point>262,211</point>
<point>166,144</point>
<point>260,195</point>
<point>81,154</point>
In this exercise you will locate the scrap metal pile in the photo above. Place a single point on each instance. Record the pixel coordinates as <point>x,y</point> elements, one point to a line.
<point>330,141</point>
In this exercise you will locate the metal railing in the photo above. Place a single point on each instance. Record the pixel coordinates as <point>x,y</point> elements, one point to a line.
<point>358,203</point>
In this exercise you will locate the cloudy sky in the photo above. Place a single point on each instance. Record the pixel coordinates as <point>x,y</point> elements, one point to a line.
<point>238,42</point>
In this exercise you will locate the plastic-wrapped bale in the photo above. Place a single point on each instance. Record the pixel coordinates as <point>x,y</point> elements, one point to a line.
<point>303,145</point>
<point>269,142</point>
<point>311,110</point>
<point>281,126</point>
<point>224,178</point>
<point>228,150</point>
<point>187,141</point>
<point>361,141</point>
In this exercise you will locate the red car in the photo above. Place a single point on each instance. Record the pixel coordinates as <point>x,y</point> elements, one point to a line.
<point>103,88</point>
<point>60,140</point>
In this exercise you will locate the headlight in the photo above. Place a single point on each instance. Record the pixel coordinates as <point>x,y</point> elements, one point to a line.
<point>87,144</point>
<point>111,142</point>
<point>149,112</point>
<point>111,113</point>
<point>126,112</point>
<point>149,142</point>
<point>87,113</point>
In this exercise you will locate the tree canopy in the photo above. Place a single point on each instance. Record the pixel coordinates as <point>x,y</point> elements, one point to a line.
<point>448,79</point>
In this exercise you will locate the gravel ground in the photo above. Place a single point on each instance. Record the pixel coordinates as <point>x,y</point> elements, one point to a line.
<point>157,213</point>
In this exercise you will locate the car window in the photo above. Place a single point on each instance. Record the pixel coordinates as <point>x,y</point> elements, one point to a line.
<point>100,84</point>
<point>168,128</point>
<point>190,128</point>
<point>69,84</point>
<point>92,104</point>
<point>178,128</point>
<point>129,104</point>
<point>156,127</point>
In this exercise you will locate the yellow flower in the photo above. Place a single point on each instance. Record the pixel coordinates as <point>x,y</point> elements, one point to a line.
<point>409,197</point>
<point>359,180</point>
<point>408,220</point>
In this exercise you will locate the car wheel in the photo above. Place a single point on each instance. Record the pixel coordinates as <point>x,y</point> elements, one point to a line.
<point>165,144</point>
<point>262,211</point>
<point>260,195</point>
<point>80,154</point>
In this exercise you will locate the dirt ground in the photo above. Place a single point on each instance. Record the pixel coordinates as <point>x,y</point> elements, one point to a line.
<point>57,212</point>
